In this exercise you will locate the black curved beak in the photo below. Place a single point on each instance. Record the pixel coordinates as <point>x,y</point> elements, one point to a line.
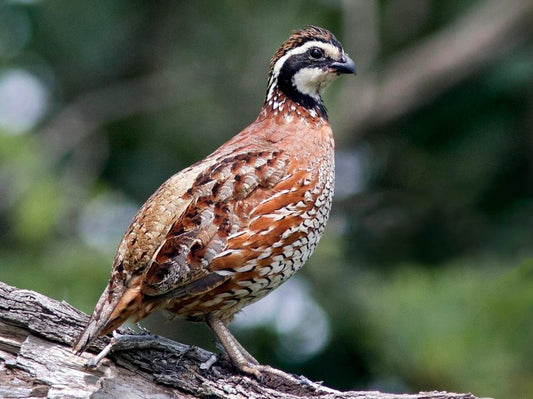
<point>345,65</point>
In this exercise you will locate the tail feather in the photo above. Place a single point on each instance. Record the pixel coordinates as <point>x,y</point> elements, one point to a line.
<point>97,322</point>
<point>113,308</point>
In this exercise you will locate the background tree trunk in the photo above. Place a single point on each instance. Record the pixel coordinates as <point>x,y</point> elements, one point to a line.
<point>36,361</point>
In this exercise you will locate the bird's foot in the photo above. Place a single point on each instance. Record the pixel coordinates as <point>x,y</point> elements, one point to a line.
<point>120,342</point>
<point>94,361</point>
<point>143,330</point>
<point>262,373</point>
<point>209,362</point>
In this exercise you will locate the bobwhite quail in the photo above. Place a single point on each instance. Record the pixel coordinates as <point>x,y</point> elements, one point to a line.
<point>227,230</point>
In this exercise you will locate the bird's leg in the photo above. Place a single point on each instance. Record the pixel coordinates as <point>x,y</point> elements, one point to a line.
<point>238,355</point>
<point>246,362</point>
<point>240,348</point>
<point>246,354</point>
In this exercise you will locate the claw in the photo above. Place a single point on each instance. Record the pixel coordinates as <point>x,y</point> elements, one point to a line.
<point>208,363</point>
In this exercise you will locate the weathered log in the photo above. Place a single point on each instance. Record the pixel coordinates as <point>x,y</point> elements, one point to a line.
<point>36,361</point>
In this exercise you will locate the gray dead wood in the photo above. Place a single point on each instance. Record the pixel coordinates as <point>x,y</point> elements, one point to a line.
<point>36,361</point>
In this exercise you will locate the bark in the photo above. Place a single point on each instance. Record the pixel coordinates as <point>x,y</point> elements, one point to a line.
<point>36,361</point>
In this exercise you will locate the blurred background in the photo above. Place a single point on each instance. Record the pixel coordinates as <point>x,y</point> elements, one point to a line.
<point>424,278</point>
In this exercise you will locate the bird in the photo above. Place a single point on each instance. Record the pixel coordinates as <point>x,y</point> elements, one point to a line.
<point>227,230</point>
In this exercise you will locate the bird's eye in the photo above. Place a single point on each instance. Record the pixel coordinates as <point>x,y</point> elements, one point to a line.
<point>316,53</point>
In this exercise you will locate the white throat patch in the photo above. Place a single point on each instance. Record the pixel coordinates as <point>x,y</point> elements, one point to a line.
<point>312,81</point>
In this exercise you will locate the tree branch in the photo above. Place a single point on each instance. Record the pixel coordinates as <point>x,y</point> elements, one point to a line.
<point>36,361</point>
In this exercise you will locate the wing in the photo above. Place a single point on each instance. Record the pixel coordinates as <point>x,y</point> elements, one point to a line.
<point>181,265</point>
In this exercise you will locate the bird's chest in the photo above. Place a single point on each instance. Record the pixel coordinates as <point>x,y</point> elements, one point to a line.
<point>280,241</point>
<point>293,242</point>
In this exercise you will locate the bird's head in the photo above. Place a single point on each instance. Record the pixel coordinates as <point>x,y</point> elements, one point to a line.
<point>302,68</point>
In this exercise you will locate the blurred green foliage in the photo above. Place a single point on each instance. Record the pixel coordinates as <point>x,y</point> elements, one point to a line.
<point>426,275</point>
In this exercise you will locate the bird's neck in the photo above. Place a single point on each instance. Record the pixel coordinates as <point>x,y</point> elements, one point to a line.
<point>289,103</point>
